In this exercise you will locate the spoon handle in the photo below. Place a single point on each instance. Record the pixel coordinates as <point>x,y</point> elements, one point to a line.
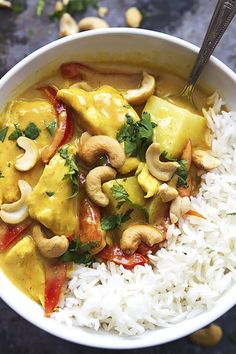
<point>224,13</point>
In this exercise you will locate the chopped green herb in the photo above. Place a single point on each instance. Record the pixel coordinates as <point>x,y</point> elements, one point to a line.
<point>78,253</point>
<point>121,195</point>
<point>51,126</point>
<point>233,213</point>
<point>3,133</point>
<point>32,131</point>
<point>114,221</point>
<point>232,337</point>
<point>73,169</point>
<point>50,194</point>
<point>137,136</point>
<point>40,7</point>
<point>127,106</point>
<point>75,6</point>
<point>182,174</point>
<point>164,157</point>
<point>9,164</point>
<point>17,8</point>
<point>16,133</point>
<point>1,175</point>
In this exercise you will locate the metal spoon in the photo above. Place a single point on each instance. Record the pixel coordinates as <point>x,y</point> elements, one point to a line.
<point>224,13</point>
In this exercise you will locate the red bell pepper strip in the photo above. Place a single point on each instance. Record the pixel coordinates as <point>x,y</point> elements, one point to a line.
<point>71,70</point>
<point>55,278</point>
<point>64,129</point>
<point>116,255</point>
<point>187,156</point>
<point>144,249</point>
<point>195,213</point>
<point>9,233</point>
<point>89,221</point>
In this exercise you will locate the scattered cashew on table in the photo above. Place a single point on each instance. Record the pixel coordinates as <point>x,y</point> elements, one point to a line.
<point>207,337</point>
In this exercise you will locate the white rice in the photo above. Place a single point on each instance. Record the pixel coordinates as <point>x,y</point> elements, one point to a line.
<point>187,277</point>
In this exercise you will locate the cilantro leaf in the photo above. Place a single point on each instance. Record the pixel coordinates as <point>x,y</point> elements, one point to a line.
<point>51,126</point>
<point>137,136</point>
<point>232,337</point>
<point>70,160</point>
<point>73,7</point>
<point>182,174</point>
<point>32,131</point>
<point>16,133</point>
<point>40,7</point>
<point>114,221</point>
<point>50,194</point>
<point>164,157</point>
<point>17,8</point>
<point>121,196</point>
<point>3,133</point>
<point>78,253</point>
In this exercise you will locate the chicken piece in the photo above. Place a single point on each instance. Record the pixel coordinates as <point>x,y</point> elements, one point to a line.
<point>22,112</point>
<point>25,267</point>
<point>100,112</point>
<point>51,202</point>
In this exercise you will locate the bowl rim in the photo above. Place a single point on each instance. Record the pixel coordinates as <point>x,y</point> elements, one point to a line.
<point>117,342</point>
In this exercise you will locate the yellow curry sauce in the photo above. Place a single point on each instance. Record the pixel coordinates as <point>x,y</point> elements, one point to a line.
<point>97,105</point>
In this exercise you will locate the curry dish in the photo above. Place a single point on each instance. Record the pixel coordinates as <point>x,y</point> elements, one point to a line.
<point>93,166</point>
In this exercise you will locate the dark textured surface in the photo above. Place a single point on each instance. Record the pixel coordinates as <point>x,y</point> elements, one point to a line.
<point>22,34</point>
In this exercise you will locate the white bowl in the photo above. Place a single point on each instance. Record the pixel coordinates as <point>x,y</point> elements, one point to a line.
<point>124,45</point>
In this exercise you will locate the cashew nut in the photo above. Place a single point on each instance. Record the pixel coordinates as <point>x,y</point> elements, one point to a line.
<point>68,25</point>
<point>135,234</point>
<point>167,193</point>
<point>95,146</point>
<point>94,181</point>
<point>17,212</point>
<point>58,6</point>
<point>207,337</point>
<point>161,170</point>
<point>204,160</point>
<point>49,247</point>
<point>102,11</point>
<point>133,17</point>
<point>178,208</point>
<point>90,23</point>
<point>141,94</point>
<point>29,159</point>
<point>4,3</point>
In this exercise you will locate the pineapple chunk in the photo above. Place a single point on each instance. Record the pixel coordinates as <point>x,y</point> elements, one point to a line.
<point>131,164</point>
<point>99,112</point>
<point>175,126</point>
<point>157,210</point>
<point>136,196</point>
<point>25,267</point>
<point>58,212</point>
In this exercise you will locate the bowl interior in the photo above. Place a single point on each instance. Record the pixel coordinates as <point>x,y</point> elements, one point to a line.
<point>139,47</point>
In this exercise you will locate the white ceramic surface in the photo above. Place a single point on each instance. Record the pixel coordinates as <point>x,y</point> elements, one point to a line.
<point>151,47</point>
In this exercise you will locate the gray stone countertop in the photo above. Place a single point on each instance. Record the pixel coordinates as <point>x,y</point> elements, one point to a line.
<point>20,34</point>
